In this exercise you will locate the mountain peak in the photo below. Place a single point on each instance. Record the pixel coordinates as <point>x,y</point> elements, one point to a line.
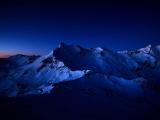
<point>62,44</point>
<point>98,49</point>
<point>146,49</point>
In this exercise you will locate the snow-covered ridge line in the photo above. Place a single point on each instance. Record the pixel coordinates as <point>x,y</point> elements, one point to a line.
<point>146,50</point>
<point>37,75</point>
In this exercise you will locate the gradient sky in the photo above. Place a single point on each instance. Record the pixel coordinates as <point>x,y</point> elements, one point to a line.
<point>36,27</point>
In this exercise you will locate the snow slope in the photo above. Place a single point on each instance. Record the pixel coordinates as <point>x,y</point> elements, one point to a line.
<point>37,77</point>
<point>128,73</point>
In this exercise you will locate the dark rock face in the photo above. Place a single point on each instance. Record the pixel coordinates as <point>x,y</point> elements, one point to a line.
<point>105,61</point>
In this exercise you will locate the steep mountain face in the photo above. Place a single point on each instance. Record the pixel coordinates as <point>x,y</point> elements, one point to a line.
<point>96,59</point>
<point>36,77</point>
<point>127,73</point>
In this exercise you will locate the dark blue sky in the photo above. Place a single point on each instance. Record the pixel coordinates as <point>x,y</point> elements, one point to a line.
<point>38,26</point>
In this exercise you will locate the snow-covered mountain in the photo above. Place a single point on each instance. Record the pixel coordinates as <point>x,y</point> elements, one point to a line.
<point>84,84</point>
<point>128,73</point>
<point>36,77</point>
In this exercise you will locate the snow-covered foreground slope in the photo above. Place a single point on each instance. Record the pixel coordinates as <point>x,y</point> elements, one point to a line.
<point>37,77</point>
<point>93,97</point>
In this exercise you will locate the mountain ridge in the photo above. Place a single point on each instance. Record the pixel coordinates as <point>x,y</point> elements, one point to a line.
<point>38,74</point>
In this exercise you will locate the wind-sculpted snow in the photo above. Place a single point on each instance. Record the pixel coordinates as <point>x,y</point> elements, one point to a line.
<point>127,73</point>
<point>148,65</point>
<point>97,60</point>
<point>141,63</point>
<point>38,77</point>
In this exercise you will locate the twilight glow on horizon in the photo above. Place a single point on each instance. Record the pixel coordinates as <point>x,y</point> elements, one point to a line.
<point>36,27</point>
